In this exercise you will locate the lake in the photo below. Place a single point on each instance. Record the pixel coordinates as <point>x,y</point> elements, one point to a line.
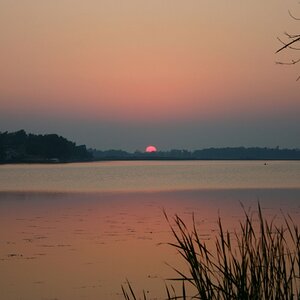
<point>77,231</point>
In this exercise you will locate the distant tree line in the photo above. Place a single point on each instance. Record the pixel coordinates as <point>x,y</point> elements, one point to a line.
<point>22,147</point>
<point>229,153</point>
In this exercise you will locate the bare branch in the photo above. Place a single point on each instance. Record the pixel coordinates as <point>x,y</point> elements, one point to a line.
<point>292,16</point>
<point>291,42</point>
<point>290,47</point>
<point>288,44</point>
<point>291,36</point>
<point>292,62</point>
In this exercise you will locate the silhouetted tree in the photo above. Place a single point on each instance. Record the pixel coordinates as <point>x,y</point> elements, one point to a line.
<point>290,42</point>
<point>18,146</point>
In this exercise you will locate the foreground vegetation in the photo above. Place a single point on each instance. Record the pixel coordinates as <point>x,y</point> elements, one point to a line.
<point>259,261</point>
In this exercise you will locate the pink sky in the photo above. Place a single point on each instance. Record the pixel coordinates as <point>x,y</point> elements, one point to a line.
<point>145,62</point>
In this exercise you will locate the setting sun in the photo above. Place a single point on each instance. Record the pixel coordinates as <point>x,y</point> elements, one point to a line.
<point>150,149</point>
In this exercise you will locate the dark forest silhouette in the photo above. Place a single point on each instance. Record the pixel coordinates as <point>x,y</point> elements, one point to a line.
<point>22,147</point>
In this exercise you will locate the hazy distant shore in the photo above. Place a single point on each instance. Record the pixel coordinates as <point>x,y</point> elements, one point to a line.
<point>20,147</point>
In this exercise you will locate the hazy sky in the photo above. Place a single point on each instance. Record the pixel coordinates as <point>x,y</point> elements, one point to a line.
<point>173,73</point>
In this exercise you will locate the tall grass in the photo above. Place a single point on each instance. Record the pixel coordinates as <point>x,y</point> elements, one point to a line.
<point>260,260</point>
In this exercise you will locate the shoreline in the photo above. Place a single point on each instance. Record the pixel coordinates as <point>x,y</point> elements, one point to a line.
<point>166,192</point>
<point>50,162</point>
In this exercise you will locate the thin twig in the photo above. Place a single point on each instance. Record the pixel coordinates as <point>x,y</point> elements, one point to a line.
<point>292,62</point>
<point>288,44</point>
<point>292,16</point>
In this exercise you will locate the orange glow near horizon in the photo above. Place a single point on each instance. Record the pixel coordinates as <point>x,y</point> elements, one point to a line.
<point>143,61</point>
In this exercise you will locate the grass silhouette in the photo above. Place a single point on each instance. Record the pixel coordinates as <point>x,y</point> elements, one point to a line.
<point>258,261</point>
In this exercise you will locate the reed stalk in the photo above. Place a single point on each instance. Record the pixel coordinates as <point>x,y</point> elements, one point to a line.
<point>258,261</point>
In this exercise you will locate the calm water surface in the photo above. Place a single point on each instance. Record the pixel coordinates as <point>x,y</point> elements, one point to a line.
<point>150,176</point>
<point>77,231</point>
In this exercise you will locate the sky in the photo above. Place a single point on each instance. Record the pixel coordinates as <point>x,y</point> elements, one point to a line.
<point>125,74</point>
